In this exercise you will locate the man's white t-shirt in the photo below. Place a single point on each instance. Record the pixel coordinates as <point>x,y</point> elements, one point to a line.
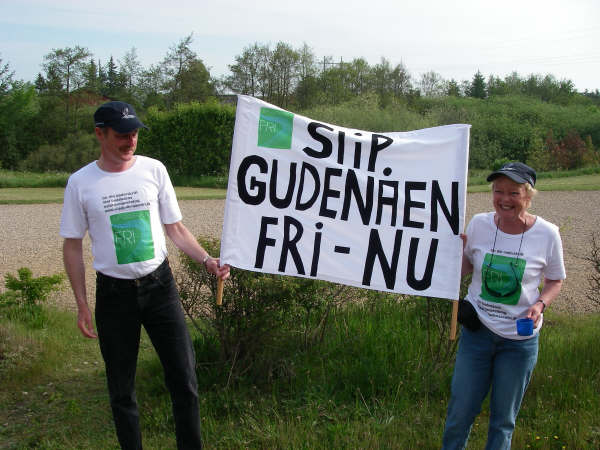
<point>123,213</point>
<point>495,291</point>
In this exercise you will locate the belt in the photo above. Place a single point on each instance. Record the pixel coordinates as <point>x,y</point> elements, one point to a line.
<point>136,281</point>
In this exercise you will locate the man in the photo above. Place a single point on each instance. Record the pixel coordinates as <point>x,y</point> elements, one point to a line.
<point>123,201</point>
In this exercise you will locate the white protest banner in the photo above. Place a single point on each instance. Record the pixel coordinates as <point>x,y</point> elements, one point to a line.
<point>374,210</point>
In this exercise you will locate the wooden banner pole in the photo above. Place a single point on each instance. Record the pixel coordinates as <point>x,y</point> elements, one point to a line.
<point>454,320</point>
<point>219,291</point>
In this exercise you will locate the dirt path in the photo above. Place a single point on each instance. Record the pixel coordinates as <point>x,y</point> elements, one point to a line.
<point>29,238</point>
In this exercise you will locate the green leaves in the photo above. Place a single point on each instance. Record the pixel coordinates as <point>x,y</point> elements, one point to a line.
<point>192,139</point>
<point>27,290</point>
<point>25,294</point>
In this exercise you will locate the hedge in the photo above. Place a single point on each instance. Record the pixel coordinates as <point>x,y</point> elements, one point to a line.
<point>193,139</point>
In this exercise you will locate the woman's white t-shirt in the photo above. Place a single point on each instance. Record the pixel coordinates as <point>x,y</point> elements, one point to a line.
<point>495,291</point>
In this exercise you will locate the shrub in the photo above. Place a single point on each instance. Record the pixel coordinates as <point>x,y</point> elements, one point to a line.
<point>570,151</point>
<point>538,155</point>
<point>365,113</point>
<point>593,257</point>
<point>591,157</point>
<point>434,315</point>
<point>499,163</point>
<point>191,140</point>
<point>482,151</point>
<point>263,318</point>
<point>75,151</point>
<point>25,295</point>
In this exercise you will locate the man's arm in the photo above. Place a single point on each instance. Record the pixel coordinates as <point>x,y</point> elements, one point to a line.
<point>185,241</point>
<point>75,267</point>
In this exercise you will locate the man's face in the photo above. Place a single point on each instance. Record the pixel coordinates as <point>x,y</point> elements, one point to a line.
<point>117,148</point>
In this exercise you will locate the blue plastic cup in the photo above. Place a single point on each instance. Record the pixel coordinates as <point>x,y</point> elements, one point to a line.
<point>525,327</point>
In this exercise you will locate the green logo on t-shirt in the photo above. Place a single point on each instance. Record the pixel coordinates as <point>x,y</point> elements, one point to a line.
<point>133,236</point>
<point>501,279</point>
<point>275,128</point>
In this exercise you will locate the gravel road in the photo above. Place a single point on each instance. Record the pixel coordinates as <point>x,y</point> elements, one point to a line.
<point>29,238</point>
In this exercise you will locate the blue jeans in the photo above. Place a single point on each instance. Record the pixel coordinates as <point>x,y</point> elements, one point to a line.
<point>122,307</point>
<point>486,360</point>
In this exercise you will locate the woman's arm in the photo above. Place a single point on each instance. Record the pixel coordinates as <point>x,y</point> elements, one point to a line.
<point>466,267</point>
<point>549,292</point>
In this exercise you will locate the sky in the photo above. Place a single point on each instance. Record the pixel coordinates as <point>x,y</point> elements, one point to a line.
<point>453,38</point>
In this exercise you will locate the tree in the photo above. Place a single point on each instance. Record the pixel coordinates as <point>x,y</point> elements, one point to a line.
<point>333,83</point>
<point>67,67</point>
<point>151,84</point>
<point>195,83</point>
<point>51,84</point>
<point>496,86</point>
<point>431,84</point>
<point>65,73</point>
<point>244,77</point>
<point>91,78</point>
<point>6,78</point>
<point>115,81</point>
<point>186,77</point>
<point>382,76</point>
<point>400,81</point>
<point>131,68</point>
<point>102,77</point>
<point>513,84</point>
<point>265,72</point>
<point>307,87</point>
<point>452,88</point>
<point>19,110</point>
<point>359,76</point>
<point>284,61</point>
<point>477,88</point>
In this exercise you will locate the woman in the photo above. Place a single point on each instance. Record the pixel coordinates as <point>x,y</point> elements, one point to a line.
<point>509,252</point>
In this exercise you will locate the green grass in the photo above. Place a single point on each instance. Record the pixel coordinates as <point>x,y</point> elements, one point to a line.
<point>17,179</point>
<point>24,196</point>
<point>194,193</point>
<point>572,183</point>
<point>31,190</point>
<point>371,384</point>
<point>586,179</point>
<point>31,195</point>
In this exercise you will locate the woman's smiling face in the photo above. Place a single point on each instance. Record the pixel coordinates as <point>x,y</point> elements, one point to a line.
<point>511,199</point>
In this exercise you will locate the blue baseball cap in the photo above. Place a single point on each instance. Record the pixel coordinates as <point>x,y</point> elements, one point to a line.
<point>119,116</point>
<point>516,171</point>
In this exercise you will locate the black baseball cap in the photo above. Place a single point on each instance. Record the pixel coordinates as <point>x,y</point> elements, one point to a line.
<point>516,171</point>
<point>119,116</point>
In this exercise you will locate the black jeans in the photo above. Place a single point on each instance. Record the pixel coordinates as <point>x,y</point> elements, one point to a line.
<point>122,307</point>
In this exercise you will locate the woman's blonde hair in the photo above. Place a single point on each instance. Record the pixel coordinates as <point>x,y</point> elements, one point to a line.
<point>531,192</point>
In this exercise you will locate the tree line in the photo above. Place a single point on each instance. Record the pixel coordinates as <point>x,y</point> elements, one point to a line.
<point>46,123</point>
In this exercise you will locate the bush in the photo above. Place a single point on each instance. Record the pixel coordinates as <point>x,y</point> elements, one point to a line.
<point>191,140</point>
<point>482,151</point>
<point>499,163</point>
<point>25,295</point>
<point>365,113</point>
<point>593,257</point>
<point>263,318</point>
<point>74,152</point>
<point>538,155</point>
<point>510,126</point>
<point>435,316</point>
